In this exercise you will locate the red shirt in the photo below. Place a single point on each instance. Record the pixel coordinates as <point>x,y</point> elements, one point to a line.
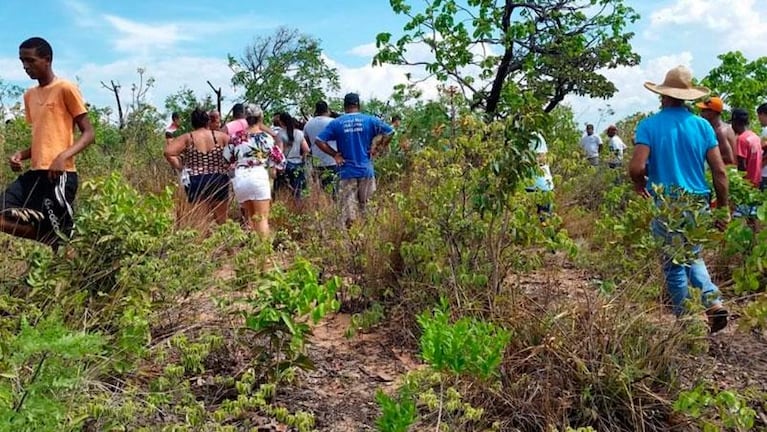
<point>750,149</point>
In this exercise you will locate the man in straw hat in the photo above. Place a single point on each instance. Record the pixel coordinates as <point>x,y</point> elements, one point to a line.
<point>671,149</point>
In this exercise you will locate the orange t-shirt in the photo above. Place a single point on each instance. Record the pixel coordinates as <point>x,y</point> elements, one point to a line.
<point>51,112</point>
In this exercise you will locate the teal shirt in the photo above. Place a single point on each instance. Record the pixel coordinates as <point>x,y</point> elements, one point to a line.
<point>678,141</point>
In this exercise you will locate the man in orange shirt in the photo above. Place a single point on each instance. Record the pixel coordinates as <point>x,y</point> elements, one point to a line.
<point>38,205</point>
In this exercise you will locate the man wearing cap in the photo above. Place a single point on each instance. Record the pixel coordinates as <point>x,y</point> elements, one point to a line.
<point>672,147</point>
<point>325,168</point>
<point>711,110</point>
<point>353,133</point>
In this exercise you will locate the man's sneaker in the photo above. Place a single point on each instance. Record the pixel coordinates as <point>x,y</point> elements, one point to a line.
<point>24,215</point>
<point>717,318</point>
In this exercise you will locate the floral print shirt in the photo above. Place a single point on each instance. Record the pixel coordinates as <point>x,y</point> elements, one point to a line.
<point>253,149</point>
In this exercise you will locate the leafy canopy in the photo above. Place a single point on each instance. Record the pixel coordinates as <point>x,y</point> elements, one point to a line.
<point>283,71</point>
<point>496,50</point>
<point>739,82</point>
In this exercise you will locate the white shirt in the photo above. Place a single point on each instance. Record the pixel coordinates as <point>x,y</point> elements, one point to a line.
<point>590,144</point>
<point>544,182</point>
<point>617,145</point>
<point>312,129</point>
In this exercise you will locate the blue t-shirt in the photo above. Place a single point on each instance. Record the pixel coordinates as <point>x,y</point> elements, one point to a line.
<point>353,134</point>
<point>678,141</point>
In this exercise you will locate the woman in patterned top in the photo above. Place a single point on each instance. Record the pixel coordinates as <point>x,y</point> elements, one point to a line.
<point>254,151</point>
<point>201,153</point>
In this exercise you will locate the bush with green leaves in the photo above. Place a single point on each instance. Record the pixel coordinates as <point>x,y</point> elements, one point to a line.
<point>44,367</point>
<point>716,410</point>
<point>279,306</point>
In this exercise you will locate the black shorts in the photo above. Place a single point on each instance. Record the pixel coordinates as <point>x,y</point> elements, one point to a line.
<point>208,187</point>
<point>34,190</point>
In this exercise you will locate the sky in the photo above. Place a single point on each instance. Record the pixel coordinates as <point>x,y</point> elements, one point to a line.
<point>186,43</point>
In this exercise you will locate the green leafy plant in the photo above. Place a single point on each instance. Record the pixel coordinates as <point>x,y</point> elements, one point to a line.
<point>716,410</point>
<point>468,346</point>
<point>279,307</point>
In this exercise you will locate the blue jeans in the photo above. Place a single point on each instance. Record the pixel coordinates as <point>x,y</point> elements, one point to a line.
<point>680,276</point>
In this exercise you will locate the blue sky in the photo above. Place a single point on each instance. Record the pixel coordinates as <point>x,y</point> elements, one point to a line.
<point>185,43</point>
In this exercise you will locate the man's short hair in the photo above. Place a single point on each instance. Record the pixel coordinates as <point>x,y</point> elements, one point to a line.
<point>589,125</point>
<point>321,107</point>
<point>238,110</point>
<point>40,45</point>
<point>740,116</point>
<point>351,99</point>
<point>762,109</point>
<point>175,116</point>
<point>396,117</point>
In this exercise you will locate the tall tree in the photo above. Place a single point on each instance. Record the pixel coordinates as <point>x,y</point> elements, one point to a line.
<point>739,82</point>
<point>505,52</point>
<point>284,71</point>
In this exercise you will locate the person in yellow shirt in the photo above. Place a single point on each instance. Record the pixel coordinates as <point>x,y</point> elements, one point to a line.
<point>38,205</point>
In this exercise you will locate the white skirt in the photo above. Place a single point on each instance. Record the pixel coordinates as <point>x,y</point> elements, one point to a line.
<point>251,184</point>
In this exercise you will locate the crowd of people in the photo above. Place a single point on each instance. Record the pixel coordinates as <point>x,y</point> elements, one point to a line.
<point>259,160</point>
<point>253,160</point>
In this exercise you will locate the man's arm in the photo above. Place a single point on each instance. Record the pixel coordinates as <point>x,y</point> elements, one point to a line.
<point>725,147</point>
<point>173,150</point>
<point>17,158</point>
<point>87,136</point>
<point>719,176</point>
<point>638,169</point>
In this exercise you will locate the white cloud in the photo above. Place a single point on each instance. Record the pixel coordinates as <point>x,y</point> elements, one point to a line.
<point>632,96</point>
<point>134,36</point>
<point>731,25</point>
<point>366,50</point>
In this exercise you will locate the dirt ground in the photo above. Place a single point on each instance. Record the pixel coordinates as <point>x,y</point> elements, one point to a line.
<point>340,392</point>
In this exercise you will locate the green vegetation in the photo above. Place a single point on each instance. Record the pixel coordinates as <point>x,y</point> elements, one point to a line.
<point>145,321</point>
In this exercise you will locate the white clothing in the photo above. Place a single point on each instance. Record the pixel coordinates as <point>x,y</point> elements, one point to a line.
<point>292,149</point>
<point>590,144</point>
<point>251,184</point>
<point>617,146</point>
<point>543,182</point>
<point>312,129</point>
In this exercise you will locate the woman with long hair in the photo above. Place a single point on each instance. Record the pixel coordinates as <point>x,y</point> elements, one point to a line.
<point>201,153</point>
<point>296,149</point>
<point>253,152</point>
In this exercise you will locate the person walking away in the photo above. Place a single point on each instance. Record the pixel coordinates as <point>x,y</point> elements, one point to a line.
<point>296,149</point>
<point>671,149</point>
<point>761,113</point>
<point>202,153</point>
<point>353,133</point>
<point>749,153</point>
<point>253,154</point>
<point>711,110</point>
<point>238,124</point>
<point>38,204</point>
<point>544,182</point>
<point>616,146</point>
<point>591,145</point>
<point>325,167</point>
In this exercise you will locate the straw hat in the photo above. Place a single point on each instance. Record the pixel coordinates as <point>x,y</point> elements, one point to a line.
<point>678,85</point>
